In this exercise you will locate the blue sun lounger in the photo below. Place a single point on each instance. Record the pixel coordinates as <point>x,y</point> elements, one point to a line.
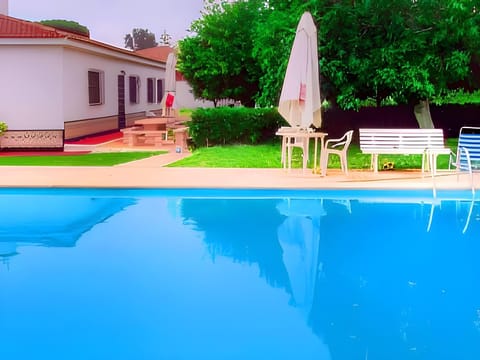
<point>467,158</point>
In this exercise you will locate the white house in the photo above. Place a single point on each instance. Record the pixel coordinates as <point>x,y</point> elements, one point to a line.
<point>56,85</point>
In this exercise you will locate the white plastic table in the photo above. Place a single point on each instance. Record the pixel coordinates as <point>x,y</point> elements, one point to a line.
<point>290,135</point>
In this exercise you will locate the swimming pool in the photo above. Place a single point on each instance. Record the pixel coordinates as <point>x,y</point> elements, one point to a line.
<point>239,274</point>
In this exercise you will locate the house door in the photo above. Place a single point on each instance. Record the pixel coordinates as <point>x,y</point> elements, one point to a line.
<point>121,102</point>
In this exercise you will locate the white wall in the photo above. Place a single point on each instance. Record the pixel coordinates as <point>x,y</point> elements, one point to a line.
<point>44,86</point>
<point>31,94</point>
<point>75,82</point>
<point>186,100</point>
<point>143,72</point>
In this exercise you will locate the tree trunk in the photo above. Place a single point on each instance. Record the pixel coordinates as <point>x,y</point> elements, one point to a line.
<point>423,116</point>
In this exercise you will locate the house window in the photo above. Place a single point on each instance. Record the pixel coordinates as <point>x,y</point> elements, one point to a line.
<point>95,87</point>
<point>133,86</point>
<point>151,90</point>
<point>159,90</point>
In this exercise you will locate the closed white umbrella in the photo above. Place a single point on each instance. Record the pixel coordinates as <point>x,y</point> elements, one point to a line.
<point>168,100</point>
<point>300,98</point>
<point>170,81</point>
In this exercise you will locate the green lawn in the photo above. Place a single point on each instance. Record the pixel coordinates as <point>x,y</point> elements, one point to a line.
<point>234,156</point>
<point>268,156</point>
<point>92,159</point>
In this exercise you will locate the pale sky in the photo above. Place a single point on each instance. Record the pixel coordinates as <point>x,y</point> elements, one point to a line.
<point>109,20</point>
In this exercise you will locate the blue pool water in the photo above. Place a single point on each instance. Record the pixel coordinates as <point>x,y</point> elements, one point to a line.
<point>241,274</point>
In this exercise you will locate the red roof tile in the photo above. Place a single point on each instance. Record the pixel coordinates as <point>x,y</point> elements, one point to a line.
<point>159,53</point>
<point>16,28</point>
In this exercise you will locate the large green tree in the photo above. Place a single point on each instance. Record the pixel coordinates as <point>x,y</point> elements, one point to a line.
<point>406,52</point>
<point>217,61</point>
<point>371,51</point>
<point>140,39</point>
<point>396,51</point>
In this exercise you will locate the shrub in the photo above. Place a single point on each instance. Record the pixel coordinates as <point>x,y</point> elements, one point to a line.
<point>237,125</point>
<point>459,97</point>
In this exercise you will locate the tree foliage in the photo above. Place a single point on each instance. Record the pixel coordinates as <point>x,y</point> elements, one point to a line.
<point>218,61</point>
<point>371,51</point>
<point>67,25</point>
<point>140,39</point>
<point>3,127</point>
<point>274,38</point>
<point>274,35</point>
<point>404,52</point>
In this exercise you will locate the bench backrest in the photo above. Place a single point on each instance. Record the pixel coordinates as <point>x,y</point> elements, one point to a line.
<point>402,139</point>
<point>469,139</point>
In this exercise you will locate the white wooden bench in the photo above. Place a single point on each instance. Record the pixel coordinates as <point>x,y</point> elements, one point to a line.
<point>426,142</point>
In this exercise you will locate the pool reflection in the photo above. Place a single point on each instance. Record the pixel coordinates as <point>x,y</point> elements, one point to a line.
<point>243,230</point>
<point>50,220</point>
<point>395,286</point>
<point>374,278</point>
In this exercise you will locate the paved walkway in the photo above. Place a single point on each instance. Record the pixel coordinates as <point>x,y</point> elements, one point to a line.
<point>152,173</point>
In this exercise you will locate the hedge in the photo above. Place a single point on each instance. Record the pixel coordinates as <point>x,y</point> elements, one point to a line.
<point>233,125</point>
